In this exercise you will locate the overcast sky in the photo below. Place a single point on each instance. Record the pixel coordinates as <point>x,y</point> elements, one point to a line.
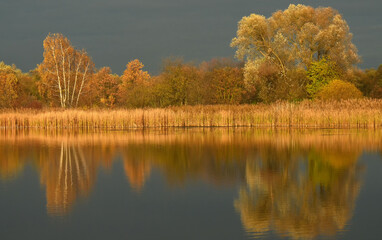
<point>116,31</point>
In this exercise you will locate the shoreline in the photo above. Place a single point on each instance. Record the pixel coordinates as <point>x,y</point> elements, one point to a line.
<point>346,114</point>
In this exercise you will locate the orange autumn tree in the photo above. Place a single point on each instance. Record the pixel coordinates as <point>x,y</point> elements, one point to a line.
<point>133,91</point>
<point>65,71</point>
<point>104,88</point>
<point>134,74</point>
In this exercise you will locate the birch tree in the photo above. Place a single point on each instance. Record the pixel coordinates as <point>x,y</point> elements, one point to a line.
<point>65,71</point>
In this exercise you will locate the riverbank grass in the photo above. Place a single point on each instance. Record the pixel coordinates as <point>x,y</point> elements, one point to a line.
<point>362,113</point>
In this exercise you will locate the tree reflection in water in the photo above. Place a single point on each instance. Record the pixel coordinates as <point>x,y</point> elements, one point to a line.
<point>67,174</point>
<point>296,184</point>
<point>299,195</point>
<point>137,170</point>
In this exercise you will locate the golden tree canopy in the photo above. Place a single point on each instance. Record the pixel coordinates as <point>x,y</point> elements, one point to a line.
<point>296,37</point>
<point>9,82</point>
<point>64,71</point>
<point>134,83</point>
<point>134,73</point>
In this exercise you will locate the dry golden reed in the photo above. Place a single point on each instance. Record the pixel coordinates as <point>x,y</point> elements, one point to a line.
<point>361,113</point>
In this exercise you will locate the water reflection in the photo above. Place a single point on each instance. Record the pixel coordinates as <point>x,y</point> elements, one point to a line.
<point>137,170</point>
<point>66,174</point>
<point>298,184</point>
<point>299,196</point>
<point>11,163</point>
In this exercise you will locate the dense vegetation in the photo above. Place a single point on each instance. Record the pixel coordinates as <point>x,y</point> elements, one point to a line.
<point>352,113</point>
<point>296,54</point>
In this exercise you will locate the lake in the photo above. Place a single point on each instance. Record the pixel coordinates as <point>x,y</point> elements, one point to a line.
<point>196,183</point>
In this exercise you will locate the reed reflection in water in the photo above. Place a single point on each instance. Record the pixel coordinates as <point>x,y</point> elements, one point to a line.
<point>297,184</point>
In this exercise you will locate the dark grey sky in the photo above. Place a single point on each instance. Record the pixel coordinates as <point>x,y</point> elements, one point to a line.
<point>117,31</point>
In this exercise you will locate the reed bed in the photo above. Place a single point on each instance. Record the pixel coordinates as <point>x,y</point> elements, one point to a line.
<point>355,114</point>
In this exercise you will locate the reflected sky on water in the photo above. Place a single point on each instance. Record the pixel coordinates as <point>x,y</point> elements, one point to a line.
<point>191,184</point>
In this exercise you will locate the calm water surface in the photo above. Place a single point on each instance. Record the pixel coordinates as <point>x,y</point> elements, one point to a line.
<point>191,184</point>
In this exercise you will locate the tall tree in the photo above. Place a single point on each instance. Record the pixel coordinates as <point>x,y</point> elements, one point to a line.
<point>64,71</point>
<point>133,89</point>
<point>293,39</point>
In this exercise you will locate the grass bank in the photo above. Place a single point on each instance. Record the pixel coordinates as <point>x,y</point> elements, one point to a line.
<point>363,113</point>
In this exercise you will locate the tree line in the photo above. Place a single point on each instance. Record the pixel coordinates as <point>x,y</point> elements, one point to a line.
<point>298,53</point>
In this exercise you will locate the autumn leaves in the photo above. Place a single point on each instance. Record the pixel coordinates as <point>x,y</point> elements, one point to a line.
<point>65,71</point>
<point>290,56</point>
<point>280,49</point>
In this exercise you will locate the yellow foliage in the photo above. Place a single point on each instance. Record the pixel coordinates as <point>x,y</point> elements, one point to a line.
<point>296,36</point>
<point>289,41</point>
<point>339,90</point>
<point>134,80</point>
<point>9,83</point>
<point>65,71</point>
<point>103,88</point>
<point>134,73</point>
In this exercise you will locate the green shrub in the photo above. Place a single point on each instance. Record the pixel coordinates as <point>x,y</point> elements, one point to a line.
<point>320,73</point>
